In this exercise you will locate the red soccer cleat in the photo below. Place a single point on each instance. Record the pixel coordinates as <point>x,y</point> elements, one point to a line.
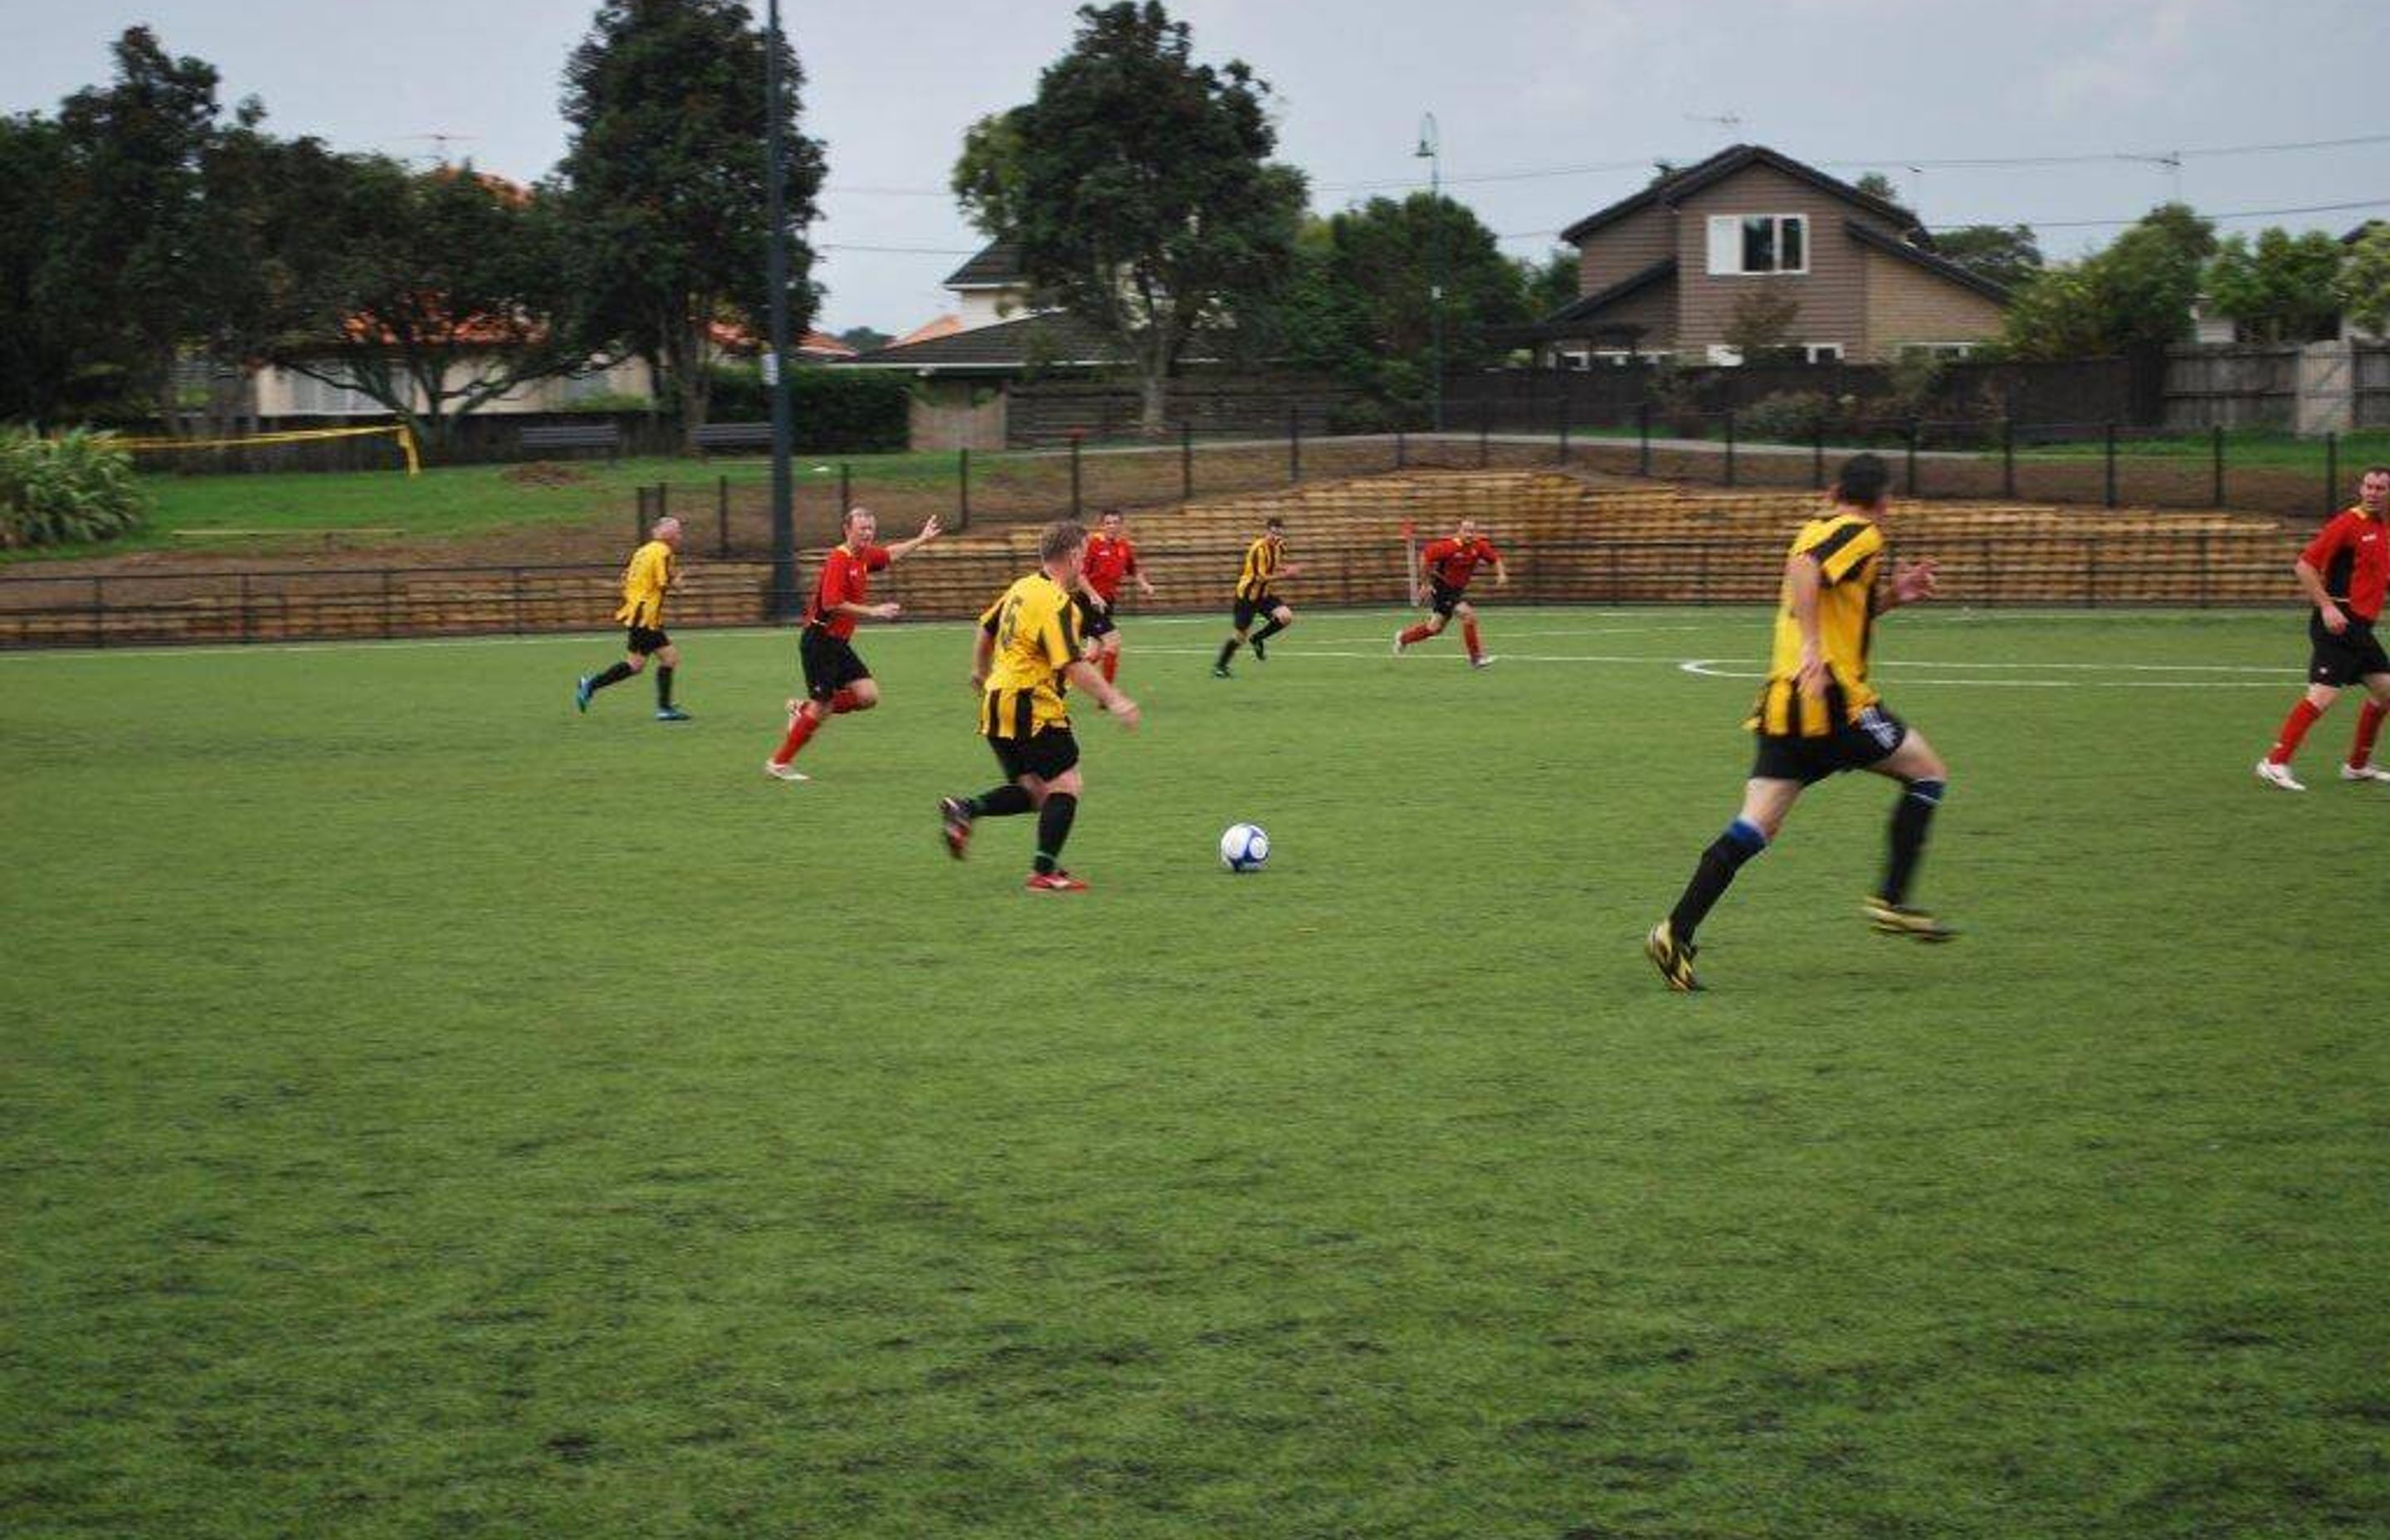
<point>956,819</point>
<point>1055,883</point>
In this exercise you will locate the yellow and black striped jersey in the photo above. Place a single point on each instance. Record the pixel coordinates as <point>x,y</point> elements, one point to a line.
<point>644,582</point>
<point>1037,631</point>
<point>1849,550</point>
<point>1262,558</point>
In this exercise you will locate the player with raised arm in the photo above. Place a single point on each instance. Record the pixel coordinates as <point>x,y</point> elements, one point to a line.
<point>1111,556</point>
<point>1256,580</point>
<point>654,571</point>
<point>1026,647</point>
<point>1441,580</point>
<point>2343,571</point>
<point>836,681</point>
<point>1818,716</point>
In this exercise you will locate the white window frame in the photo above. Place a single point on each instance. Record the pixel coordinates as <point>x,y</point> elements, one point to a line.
<point>1725,234</point>
<point>1822,352</point>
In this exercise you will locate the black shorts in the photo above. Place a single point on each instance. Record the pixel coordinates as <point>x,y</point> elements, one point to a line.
<point>2344,658</point>
<point>830,664</point>
<point>1045,753</point>
<point>1852,745</point>
<point>643,641</point>
<point>1443,598</point>
<point>1095,619</point>
<point>1247,610</point>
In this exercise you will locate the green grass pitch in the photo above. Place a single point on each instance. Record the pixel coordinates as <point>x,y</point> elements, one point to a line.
<point>426,1111</point>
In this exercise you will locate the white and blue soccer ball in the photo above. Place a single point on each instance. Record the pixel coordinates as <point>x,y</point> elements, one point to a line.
<point>1244,847</point>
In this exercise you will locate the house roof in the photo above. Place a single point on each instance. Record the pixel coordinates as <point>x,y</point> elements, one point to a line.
<point>821,345</point>
<point>1932,261</point>
<point>1584,306</point>
<point>2361,232</point>
<point>935,326</point>
<point>1674,188</point>
<point>997,265</point>
<point>1051,340</point>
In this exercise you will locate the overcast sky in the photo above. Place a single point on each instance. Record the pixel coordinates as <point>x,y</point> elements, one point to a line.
<point>1548,108</point>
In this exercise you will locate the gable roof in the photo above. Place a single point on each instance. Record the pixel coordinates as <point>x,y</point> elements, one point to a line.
<point>1678,186</point>
<point>1600,299</point>
<point>935,326</point>
<point>1049,340</point>
<point>1932,261</point>
<point>997,265</point>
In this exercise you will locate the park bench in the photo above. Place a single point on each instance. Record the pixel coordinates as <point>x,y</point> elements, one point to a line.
<point>732,435</point>
<point>594,435</point>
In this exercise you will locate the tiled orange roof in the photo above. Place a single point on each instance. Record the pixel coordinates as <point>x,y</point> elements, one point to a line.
<point>931,330</point>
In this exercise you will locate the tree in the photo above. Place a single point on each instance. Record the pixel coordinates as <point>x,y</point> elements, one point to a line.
<point>38,351</point>
<point>1551,283</point>
<point>664,179</point>
<point>441,294</point>
<point>2363,287</point>
<point>1759,322</point>
<point>1138,189</point>
<point>2135,294</point>
<point>1875,184</point>
<point>2280,288</point>
<point>2007,254</point>
<point>864,339</point>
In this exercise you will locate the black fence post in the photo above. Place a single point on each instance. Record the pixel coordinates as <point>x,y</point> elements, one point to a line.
<point>2330,471</point>
<point>1484,432</point>
<point>1187,460</point>
<point>1912,457</point>
<point>845,494</point>
<point>1563,409</point>
<point>1076,436</point>
<point>2215,481</point>
<point>1818,454</point>
<point>244,607</point>
<point>1293,444</point>
<point>2008,457</point>
<point>2112,466</point>
<point>1643,436</point>
<point>662,489</point>
<point>962,487</point>
<point>722,515</point>
<point>1729,446</point>
<point>639,517</point>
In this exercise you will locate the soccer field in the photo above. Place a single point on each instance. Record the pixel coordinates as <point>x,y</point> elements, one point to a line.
<point>424,1110</point>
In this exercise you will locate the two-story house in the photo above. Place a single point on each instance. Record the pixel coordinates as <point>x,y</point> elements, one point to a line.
<point>1660,273</point>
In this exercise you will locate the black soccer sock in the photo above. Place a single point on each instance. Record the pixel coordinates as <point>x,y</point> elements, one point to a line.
<point>1265,632</point>
<point>663,689</point>
<point>1053,827</point>
<point>1910,817</point>
<point>614,675</point>
<point>1228,650</point>
<point>1002,803</point>
<point>1719,863</point>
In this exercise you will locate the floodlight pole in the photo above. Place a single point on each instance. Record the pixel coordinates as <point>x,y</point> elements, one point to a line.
<point>1431,149</point>
<point>776,270</point>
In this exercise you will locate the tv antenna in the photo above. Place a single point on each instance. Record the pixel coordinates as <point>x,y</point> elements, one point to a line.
<point>1729,120</point>
<point>440,143</point>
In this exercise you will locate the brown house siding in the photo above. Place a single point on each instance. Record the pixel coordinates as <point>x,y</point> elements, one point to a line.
<point>1833,293</point>
<point>1906,304</point>
<point>1616,252</point>
<point>1653,309</point>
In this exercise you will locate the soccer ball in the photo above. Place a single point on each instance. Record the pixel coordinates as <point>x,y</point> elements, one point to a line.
<point>1245,848</point>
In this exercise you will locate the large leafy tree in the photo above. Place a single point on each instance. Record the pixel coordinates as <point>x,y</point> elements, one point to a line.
<point>666,180</point>
<point>2135,294</point>
<point>2008,254</point>
<point>440,293</point>
<point>2279,289</point>
<point>1138,187</point>
<point>38,346</point>
<point>2363,287</point>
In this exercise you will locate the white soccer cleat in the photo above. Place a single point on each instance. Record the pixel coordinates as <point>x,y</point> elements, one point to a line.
<point>1487,660</point>
<point>1398,644</point>
<point>779,772</point>
<point>2368,771</point>
<point>2276,775</point>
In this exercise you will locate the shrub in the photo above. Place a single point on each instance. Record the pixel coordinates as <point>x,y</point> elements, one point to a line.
<point>1797,416</point>
<point>837,410</point>
<point>75,487</point>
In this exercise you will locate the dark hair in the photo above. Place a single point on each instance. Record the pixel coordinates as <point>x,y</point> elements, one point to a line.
<point>1059,539</point>
<point>1108,513</point>
<point>1274,522</point>
<point>2373,470</point>
<point>1861,480</point>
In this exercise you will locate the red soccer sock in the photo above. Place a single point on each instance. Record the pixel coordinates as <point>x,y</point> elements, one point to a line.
<point>1111,666</point>
<point>1469,635</point>
<point>841,703</point>
<point>2294,727</point>
<point>800,728</point>
<point>2369,725</point>
<point>1416,635</point>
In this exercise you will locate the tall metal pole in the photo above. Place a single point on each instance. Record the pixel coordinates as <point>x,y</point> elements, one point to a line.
<point>1431,146</point>
<point>775,269</point>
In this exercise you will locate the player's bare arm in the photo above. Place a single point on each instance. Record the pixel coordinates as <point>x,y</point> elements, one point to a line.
<point>2311,585</point>
<point>930,530</point>
<point>1088,677</point>
<point>1801,576</point>
<point>1912,583</point>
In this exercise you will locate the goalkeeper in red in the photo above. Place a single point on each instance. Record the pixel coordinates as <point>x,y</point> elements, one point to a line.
<point>1444,569</point>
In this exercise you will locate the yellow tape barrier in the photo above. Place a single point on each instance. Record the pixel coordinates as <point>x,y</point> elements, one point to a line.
<point>404,434</point>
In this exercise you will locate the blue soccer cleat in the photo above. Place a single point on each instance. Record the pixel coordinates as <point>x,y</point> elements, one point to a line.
<point>581,694</point>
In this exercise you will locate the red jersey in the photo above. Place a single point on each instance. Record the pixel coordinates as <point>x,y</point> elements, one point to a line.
<point>845,579</point>
<point>1108,562</point>
<point>1454,562</point>
<point>2353,554</point>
